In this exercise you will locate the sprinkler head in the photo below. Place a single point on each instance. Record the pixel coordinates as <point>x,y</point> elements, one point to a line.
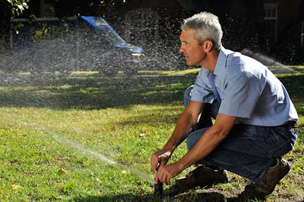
<point>158,190</point>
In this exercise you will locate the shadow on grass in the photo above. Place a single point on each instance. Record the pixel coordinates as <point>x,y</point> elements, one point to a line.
<point>294,84</point>
<point>295,87</point>
<point>91,92</point>
<point>130,197</point>
<point>187,197</point>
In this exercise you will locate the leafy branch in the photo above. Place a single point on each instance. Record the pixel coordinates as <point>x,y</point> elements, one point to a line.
<point>18,6</point>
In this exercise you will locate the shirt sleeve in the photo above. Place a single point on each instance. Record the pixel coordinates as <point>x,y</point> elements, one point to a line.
<point>241,95</point>
<point>202,90</point>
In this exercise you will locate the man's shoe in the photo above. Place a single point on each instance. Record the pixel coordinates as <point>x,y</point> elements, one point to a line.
<point>202,176</point>
<point>272,177</point>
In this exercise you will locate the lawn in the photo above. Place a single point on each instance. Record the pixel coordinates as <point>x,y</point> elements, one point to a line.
<point>89,138</point>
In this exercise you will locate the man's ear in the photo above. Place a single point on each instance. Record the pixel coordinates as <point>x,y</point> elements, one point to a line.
<point>208,45</point>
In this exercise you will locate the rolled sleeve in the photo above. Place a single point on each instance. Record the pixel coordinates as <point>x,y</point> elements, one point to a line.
<point>241,95</point>
<point>202,91</point>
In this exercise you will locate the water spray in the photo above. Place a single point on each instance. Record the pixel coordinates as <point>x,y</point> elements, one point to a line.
<point>158,187</point>
<point>103,158</point>
<point>267,61</point>
<point>89,152</point>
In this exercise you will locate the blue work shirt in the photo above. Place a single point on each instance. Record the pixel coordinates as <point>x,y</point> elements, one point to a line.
<point>247,90</point>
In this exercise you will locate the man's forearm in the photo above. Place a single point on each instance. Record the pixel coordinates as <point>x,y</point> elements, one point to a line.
<point>206,144</point>
<point>208,141</point>
<point>183,126</point>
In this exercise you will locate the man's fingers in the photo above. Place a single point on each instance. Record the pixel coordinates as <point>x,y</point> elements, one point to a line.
<point>168,179</point>
<point>162,161</point>
<point>163,175</point>
<point>154,162</point>
<point>159,158</point>
<point>156,180</point>
<point>159,174</point>
<point>153,165</point>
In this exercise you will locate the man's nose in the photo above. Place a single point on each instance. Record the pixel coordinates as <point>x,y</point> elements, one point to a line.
<point>181,49</point>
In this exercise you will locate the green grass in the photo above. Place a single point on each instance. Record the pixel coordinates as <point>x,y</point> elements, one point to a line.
<point>297,68</point>
<point>55,132</point>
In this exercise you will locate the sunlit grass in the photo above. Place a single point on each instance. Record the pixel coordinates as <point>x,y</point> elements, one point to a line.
<point>173,72</point>
<point>298,68</point>
<point>125,120</point>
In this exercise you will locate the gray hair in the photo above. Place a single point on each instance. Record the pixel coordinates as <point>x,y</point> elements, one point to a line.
<point>206,26</point>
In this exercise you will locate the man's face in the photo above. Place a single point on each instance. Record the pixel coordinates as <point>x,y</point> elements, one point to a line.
<point>194,52</point>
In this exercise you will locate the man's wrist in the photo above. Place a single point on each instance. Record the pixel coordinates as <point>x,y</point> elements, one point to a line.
<point>169,148</point>
<point>180,166</point>
<point>171,145</point>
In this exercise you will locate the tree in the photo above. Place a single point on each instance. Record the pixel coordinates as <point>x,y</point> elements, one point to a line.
<point>65,8</point>
<point>18,6</point>
<point>8,10</point>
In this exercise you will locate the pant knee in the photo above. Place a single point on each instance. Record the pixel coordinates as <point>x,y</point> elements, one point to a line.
<point>194,137</point>
<point>187,95</point>
<point>190,143</point>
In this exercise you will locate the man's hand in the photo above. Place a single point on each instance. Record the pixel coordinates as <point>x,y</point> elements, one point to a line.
<point>159,158</point>
<point>166,172</point>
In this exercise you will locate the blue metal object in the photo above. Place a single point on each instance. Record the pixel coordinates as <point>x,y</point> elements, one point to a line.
<point>102,24</point>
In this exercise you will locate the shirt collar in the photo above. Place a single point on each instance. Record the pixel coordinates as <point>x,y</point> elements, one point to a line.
<point>221,62</point>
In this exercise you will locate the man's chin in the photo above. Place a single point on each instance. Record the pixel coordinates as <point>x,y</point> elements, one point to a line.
<point>189,64</point>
